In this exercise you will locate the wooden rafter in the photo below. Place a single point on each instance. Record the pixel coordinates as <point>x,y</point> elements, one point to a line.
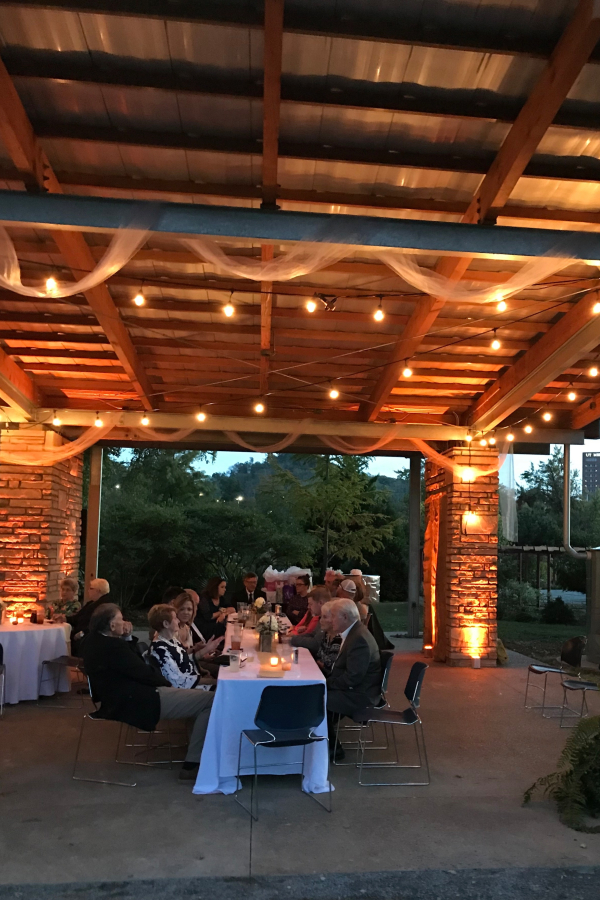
<point>266,325</point>
<point>16,387</point>
<point>568,58</point>
<point>35,169</point>
<point>273,44</point>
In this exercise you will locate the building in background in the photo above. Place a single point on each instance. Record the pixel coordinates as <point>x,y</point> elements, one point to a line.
<point>590,474</point>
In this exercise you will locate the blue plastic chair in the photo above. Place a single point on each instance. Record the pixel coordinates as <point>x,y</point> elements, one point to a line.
<point>286,717</point>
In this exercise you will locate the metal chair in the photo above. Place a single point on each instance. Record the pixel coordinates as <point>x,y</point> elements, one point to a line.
<point>573,685</point>
<point>95,717</point>
<point>387,658</point>
<point>60,663</point>
<point>286,717</point>
<point>392,719</point>
<point>570,657</point>
<point>3,677</point>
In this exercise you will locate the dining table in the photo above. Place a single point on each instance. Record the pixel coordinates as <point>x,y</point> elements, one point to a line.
<point>25,648</point>
<point>236,701</point>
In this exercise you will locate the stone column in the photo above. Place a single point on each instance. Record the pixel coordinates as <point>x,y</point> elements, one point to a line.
<point>461,558</point>
<point>40,519</point>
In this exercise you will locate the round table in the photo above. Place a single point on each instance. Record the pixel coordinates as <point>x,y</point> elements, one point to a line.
<point>25,648</point>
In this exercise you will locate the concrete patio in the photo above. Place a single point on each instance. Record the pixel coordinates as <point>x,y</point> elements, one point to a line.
<point>484,750</point>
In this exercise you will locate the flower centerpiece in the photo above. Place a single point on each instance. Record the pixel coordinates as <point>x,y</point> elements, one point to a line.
<point>259,604</point>
<point>267,627</point>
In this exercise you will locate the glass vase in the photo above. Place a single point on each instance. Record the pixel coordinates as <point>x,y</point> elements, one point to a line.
<point>265,642</point>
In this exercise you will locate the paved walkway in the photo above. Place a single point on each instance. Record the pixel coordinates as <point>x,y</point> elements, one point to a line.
<point>484,748</point>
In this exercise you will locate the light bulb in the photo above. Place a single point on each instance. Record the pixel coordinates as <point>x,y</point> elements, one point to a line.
<point>495,345</point>
<point>547,416</point>
<point>492,441</point>
<point>510,437</point>
<point>379,315</point>
<point>334,393</point>
<point>311,305</point>
<point>229,310</point>
<point>98,421</point>
<point>406,372</point>
<point>259,407</point>
<point>139,299</point>
<point>56,421</point>
<point>467,474</point>
<point>51,284</point>
<point>483,442</point>
<point>145,420</point>
<point>594,372</point>
<point>201,416</point>
<point>572,396</point>
<point>596,308</point>
<point>528,429</point>
<point>501,306</point>
<point>469,438</point>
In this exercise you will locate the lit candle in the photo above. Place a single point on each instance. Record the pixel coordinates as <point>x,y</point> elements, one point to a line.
<point>274,661</point>
<point>286,665</point>
<point>13,621</point>
<point>20,620</point>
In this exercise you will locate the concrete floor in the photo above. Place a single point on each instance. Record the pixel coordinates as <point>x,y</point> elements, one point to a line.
<point>484,749</point>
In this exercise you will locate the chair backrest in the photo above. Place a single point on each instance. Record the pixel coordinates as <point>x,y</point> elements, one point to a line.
<point>1,654</point>
<point>572,651</point>
<point>291,708</point>
<point>414,683</point>
<point>142,648</point>
<point>387,658</point>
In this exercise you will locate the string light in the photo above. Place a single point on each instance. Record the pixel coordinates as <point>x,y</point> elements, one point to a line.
<point>596,308</point>
<point>139,299</point>
<point>145,421</point>
<point>406,371</point>
<point>51,284</point>
<point>467,474</point>
<point>229,309</point>
<point>483,442</point>
<point>469,438</point>
<point>528,429</point>
<point>259,407</point>
<point>56,421</point>
<point>510,437</point>
<point>495,345</point>
<point>98,422</point>
<point>492,441</point>
<point>501,306</point>
<point>311,305</point>
<point>201,416</point>
<point>571,396</point>
<point>594,372</point>
<point>547,416</point>
<point>334,393</point>
<point>379,314</point>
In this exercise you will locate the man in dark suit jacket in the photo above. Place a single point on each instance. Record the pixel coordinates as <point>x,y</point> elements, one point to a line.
<point>131,691</point>
<point>355,680</point>
<point>249,590</point>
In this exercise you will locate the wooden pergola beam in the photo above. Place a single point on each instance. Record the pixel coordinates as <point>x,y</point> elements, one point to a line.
<point>17,389</point>
<point>568,58</point>
<point>578,332</point>
<point>273,48</point>
<point>266,322</point>
<point>28,156</point>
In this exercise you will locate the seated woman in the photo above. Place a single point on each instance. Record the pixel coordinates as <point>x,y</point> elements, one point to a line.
<point>190,637</point>
<point>176,665</point>
<point>329,647</point>
<point>310,621</point>
<point>211,617</point>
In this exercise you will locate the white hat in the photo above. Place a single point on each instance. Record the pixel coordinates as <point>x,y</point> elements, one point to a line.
<point>348,586</point>
<point>355,572</point>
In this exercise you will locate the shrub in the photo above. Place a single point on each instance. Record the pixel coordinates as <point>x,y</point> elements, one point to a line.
<point>556,612</point>
<point>517,601</point>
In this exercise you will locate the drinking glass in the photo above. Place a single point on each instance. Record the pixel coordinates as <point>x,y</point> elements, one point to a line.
<point>236,636</point>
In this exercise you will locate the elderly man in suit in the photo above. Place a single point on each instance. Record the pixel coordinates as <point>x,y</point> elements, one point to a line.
<point>355,680</point>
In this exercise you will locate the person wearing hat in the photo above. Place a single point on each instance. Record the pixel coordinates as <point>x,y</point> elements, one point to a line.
<point>347,590</point>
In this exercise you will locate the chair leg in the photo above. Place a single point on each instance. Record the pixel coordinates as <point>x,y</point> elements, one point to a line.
<point>338,743</point>
<point>583,711</point>
<point>238,785</point>
<point>422,756</point>
<point>2,695</point>
<point>328,808</point>
<point>95,780</point>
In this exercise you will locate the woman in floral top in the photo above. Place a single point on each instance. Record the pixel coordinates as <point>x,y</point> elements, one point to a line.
<point>176,665</point>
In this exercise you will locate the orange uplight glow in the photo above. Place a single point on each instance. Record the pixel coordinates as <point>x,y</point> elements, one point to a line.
<point>474,636</point>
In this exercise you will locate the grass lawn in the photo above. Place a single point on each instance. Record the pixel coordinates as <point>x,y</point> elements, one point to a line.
<point>536,639</point>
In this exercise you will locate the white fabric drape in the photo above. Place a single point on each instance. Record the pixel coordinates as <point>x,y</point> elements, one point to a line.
<point>508,499</point>
<point>59,454</point>
<point>301,259</point>
<point>436,285</point>
<point>268,448</point>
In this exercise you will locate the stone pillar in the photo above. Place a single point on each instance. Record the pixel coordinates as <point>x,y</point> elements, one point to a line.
<point>461,559</point>
<point>40,519</point>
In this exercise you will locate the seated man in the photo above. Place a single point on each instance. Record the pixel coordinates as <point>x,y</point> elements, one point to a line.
<point>249,590</point>
<point>329,646</point>
<point>177,666</point>
<point>133,692</point>
<point>355,680</point>
<point>298,605</point>
<point>310,622</point>
<point>97,593</point>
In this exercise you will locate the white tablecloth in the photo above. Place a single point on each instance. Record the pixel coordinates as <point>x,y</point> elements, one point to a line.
<point>236,700</point>
<point>25,646</point>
